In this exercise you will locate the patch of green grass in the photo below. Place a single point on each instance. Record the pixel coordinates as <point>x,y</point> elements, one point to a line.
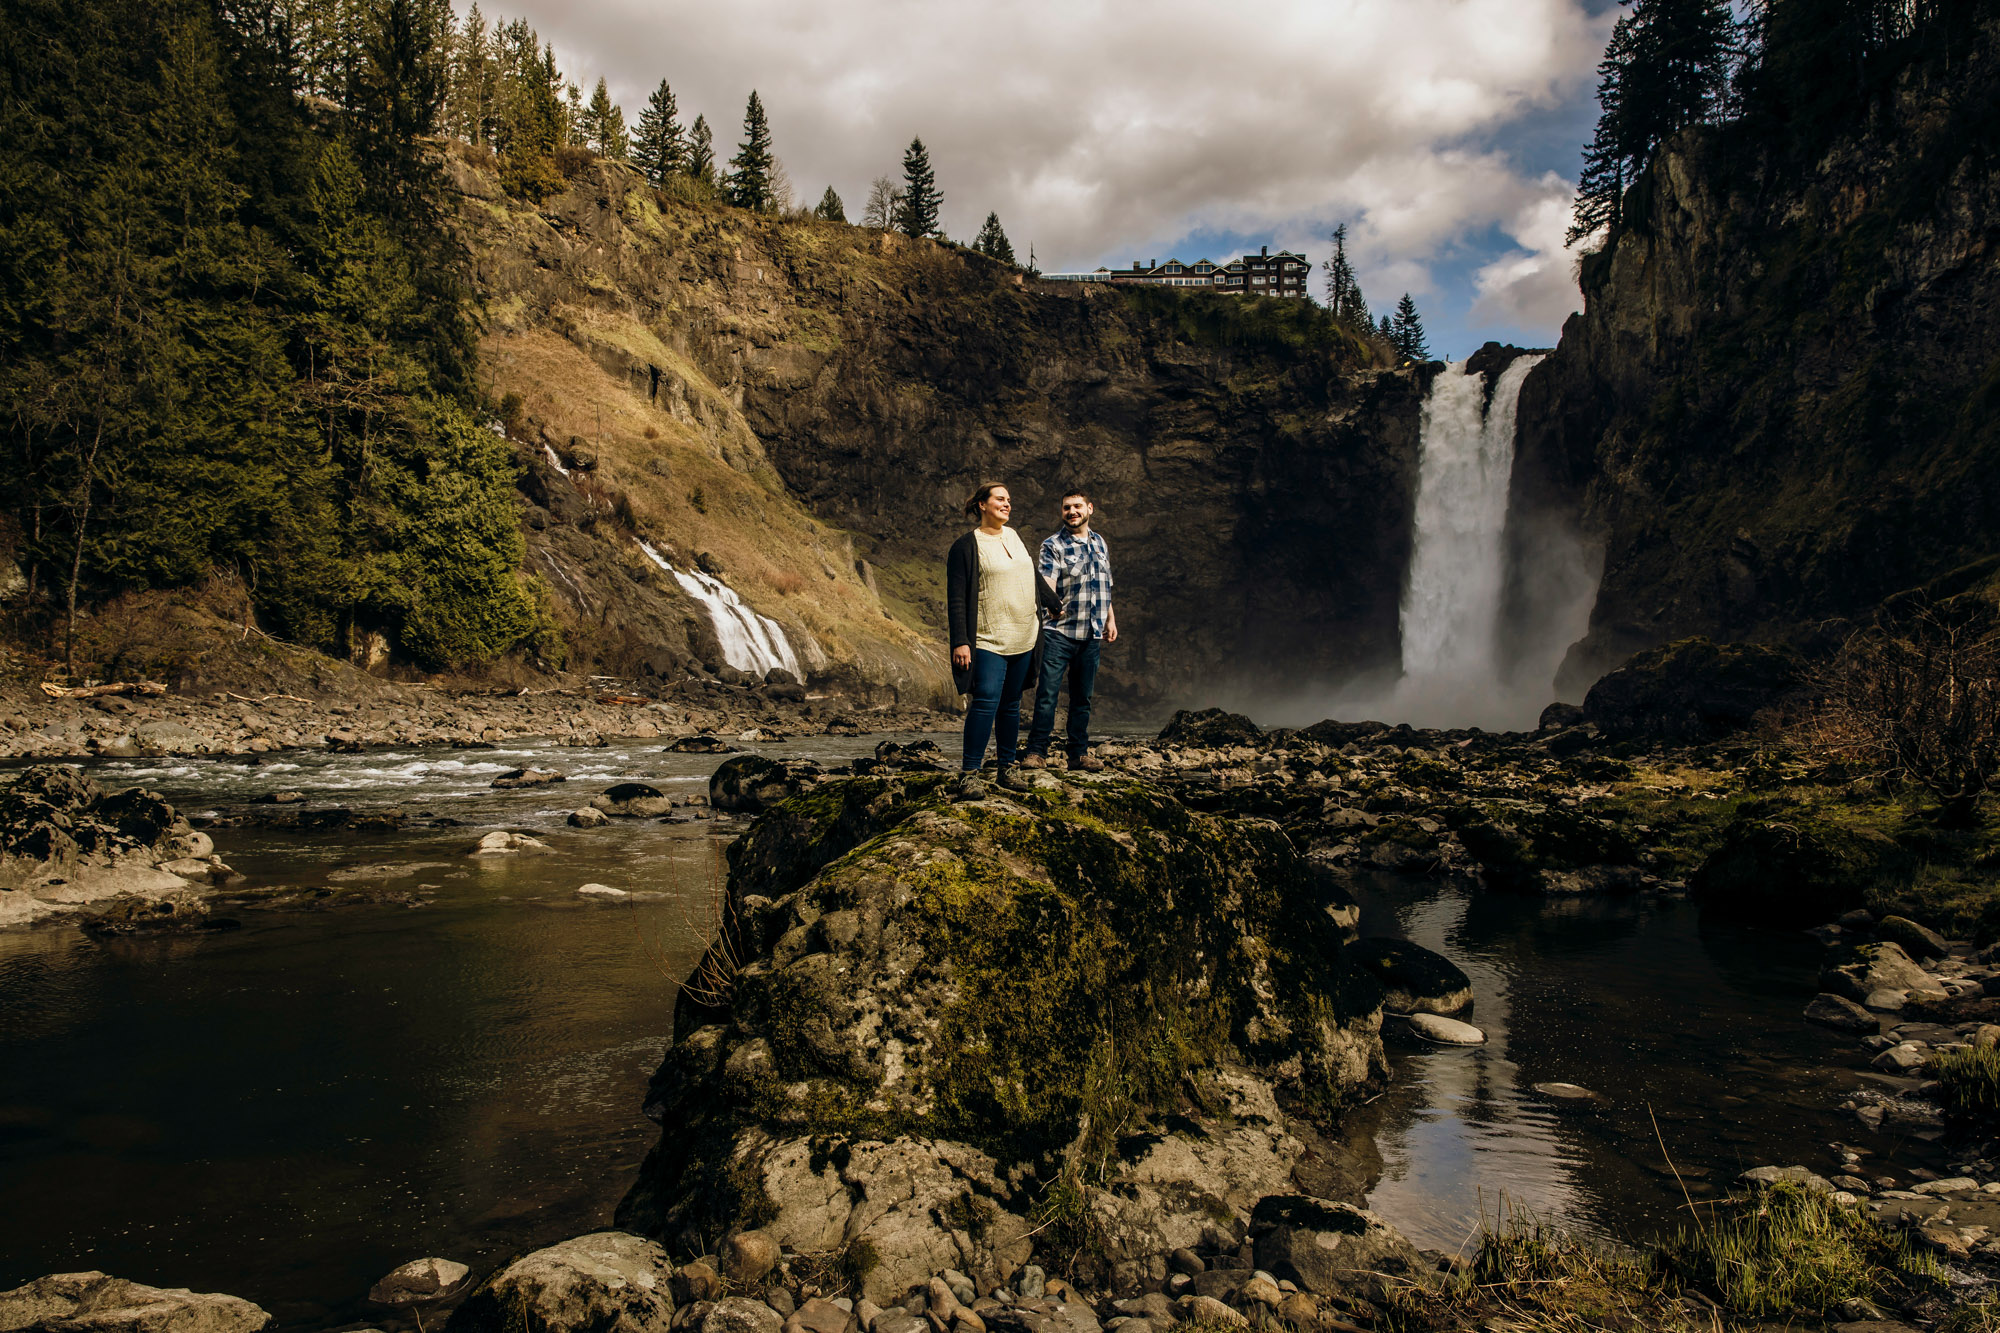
<point>1971,1079</point>
<point>1794,1251</point>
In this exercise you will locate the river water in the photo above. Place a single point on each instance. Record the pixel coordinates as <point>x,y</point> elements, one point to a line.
<point>288,1110</point>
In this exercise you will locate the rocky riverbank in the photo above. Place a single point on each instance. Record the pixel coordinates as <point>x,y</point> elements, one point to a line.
<point>36,726</point>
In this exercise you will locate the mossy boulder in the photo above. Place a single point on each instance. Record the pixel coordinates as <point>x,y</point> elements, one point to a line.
<point>1012,1001</point>
<point>1795,869</point>
<point>1692,690</point>
<point>1210,727</point>
<point>1414,979</point>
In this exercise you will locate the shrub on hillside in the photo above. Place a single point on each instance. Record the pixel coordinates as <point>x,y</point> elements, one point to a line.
<point>1915,699</point>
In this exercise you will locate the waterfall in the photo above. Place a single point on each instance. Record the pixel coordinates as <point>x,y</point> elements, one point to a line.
<point>1452,661</point>
<point>750,642</point>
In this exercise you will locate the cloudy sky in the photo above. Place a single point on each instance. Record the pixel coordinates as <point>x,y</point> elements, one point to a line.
<point>1446,133</point>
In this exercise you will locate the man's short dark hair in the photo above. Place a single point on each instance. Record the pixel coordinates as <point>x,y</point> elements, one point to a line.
<point>1078,490</point>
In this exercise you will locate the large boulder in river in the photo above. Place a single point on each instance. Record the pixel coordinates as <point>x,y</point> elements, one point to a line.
<point>1792,869</point>
<point>1414,979</point>
<point>1211,728</point>
<point>64,842</point>
<point>750,783</point>
<point>1858,971</point>
<point>1691,691</point>
<point>606,1282</point>
<point>99,1303</point>
<point>633,800</point>
<point>926,1006</point>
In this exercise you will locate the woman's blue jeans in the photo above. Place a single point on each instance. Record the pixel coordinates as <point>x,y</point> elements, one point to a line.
<point>995,705</point>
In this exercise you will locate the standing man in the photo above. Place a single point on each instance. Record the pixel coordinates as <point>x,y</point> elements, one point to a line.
<point>1078,563</point>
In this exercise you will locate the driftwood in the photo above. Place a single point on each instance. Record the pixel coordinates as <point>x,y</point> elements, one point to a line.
<point>246,699</point>
<point>55,691</point>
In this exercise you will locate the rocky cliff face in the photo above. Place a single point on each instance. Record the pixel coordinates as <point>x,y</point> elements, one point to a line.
<point>1778,405</point>
<point>809,403</point>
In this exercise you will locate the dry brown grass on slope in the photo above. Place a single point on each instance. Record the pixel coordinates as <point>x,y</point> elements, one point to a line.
<point>670,471</point>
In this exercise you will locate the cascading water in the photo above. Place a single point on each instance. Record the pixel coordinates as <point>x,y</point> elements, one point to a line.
<point>1452,672</point>
<point>750,642</point>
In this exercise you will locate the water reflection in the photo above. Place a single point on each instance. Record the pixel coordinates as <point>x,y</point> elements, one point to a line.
<point>1694,1026</point>
<point>289,1110</point>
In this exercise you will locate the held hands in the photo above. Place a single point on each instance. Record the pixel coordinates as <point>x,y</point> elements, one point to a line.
<point>961,656</point>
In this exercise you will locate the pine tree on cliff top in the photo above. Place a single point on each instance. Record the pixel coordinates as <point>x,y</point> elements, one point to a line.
<point>921,199</point>
<point>660,148</point>
<point>701,152</point>
<point>1343,290</point>
<point>992,241</point>
<point>830,208</point>
<point>1666,68</point>
<point>750,170</point>
<point>1406,331</point>
<point>604,123</point>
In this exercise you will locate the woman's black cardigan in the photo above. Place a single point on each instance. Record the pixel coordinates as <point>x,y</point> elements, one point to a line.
<point>961,599</point>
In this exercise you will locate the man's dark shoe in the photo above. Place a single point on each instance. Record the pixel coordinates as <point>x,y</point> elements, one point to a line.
<point>1033,761</point>
<point>1086,763</point>
<point>1013,779</point>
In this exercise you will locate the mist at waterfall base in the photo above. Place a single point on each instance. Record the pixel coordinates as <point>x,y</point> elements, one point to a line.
<point>1465,662</point>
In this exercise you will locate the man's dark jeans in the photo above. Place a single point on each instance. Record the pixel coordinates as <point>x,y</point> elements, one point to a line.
<point>1072,662</point>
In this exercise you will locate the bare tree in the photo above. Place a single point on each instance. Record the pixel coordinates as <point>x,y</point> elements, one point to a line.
<point>1915,698</point>
<point>885,201</point>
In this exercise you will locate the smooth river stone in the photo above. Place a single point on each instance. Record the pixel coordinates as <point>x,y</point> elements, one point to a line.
<point>1447,1031</point>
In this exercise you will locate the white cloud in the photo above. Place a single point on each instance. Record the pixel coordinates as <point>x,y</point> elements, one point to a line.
<point>1535,285</point>
<point>1109,129</point>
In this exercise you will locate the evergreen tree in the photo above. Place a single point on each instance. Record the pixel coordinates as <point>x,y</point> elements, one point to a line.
<point>918,213</point>
<point>575,117</point>
<point>1034,269</point>
<point>1387,330</point>
<point>1343,290</point>
<point>992,241</point>
<point>1406,331</point>
<point>830,208</point>
<point>604,124</point>
<point>659,150</point>
<point>701,152</point>
<point>1667,67</point>
<point>471,106</point>
<point>885,205</point>
<point>750,171</point>
<point>529,128</point>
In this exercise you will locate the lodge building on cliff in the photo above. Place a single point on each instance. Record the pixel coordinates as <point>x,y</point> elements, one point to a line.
<point>1261,274</point>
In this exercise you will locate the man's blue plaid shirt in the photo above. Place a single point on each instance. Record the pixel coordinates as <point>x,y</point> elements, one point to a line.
<point>1081,573</point>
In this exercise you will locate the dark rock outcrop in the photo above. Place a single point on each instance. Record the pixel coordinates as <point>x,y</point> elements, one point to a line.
<point>1777,406</point>
<point>1691,691</point>
<point>65,842</point>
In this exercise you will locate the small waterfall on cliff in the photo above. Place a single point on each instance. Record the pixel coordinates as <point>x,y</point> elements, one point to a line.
<point>750,642</point>
<point>1452,661</point>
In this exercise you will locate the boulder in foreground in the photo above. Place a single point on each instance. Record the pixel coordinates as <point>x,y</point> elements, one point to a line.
<point>606,1282</point>
<point>932,1013</point>
<point>99,1303</point>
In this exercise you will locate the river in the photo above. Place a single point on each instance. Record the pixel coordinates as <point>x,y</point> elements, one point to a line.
<point>288,1110</point>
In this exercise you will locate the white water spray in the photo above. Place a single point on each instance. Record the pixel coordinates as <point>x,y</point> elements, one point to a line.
<point>1451,604</point>
<point>750,642</point>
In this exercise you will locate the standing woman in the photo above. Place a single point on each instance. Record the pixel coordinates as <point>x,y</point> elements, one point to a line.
<point>994,596</point>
